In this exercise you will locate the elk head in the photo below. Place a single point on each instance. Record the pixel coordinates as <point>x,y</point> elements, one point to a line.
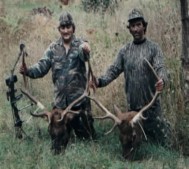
<point>130,134</point>
<point>59,128</point>
<point>130,126</point>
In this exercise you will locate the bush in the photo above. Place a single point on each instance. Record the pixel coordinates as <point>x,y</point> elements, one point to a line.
<point>99,5</point>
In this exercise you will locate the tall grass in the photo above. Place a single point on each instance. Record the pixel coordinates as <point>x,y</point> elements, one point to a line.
<point>106,34</point>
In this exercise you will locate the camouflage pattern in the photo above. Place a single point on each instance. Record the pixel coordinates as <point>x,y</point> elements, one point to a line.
<point>68,71</point>
<point>65,19</point>
<point>135,14</point>
<point>140,83</point>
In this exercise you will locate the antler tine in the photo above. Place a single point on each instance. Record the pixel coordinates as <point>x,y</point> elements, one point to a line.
<point>117,121</point>
<point>39,104</point>
<point>44,114</point>
<point>139,115</point>
<point>74,112</point>
<point>108,132</point>
<point>108,113</point>
<point>64,112</point>
<point>34,100</point>
<point>68,109</point>
<point>154,72</point>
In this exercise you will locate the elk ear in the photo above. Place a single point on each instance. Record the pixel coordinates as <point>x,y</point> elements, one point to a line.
<point>117,111</point>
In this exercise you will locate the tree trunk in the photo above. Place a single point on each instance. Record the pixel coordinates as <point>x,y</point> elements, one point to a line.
<point>185,49</point>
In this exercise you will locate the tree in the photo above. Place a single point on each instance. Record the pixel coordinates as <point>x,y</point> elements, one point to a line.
<point>185,48</point>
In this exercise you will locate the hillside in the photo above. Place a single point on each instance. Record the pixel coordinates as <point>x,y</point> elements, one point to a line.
<point>34,23</point>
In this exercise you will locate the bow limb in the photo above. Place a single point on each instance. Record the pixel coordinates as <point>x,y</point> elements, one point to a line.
<point>24,67</point>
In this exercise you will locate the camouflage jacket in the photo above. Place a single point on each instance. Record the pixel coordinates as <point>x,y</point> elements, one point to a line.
<point>139,79</point>
<point>68,70</point>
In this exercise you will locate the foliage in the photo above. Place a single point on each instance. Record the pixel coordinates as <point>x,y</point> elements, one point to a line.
<point>106,35</point>
<point>99,5</point>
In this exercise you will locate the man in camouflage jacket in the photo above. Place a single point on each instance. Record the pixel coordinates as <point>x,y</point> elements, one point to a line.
<point>66,58</point>
<point>140,81</point>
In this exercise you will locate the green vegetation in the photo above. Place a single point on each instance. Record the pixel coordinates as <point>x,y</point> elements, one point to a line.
<point>105,153</point>
<point>106,32</point>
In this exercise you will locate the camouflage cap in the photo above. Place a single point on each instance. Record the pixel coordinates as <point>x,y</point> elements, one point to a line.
<point>66,19</point>
<point>135,14</point>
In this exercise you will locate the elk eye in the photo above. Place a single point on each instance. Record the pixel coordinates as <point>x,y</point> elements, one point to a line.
<point>134,135</point>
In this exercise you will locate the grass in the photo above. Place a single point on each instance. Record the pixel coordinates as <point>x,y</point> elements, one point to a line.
<point>106,34</point>
<point>105,153</point>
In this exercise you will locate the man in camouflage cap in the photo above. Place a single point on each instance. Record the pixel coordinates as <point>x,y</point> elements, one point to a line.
<point>66,58</point>
<point>135,14</point>
<point>66,19</point>
<point>140,82</point>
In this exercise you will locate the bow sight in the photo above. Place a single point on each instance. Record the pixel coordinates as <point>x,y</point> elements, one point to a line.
<point>10,81</point>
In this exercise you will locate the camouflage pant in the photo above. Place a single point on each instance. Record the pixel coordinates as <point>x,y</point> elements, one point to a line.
<point>157,128</point>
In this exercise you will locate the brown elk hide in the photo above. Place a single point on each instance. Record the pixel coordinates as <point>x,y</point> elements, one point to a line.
<point>127,116</point>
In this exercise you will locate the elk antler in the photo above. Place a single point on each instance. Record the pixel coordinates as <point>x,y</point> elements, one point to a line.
<point>68,109</point>
<point>39,104</point>
<point>43,114</point>
<point>117,121</point>
<point>33,99</point>
<point>151,67</point>
<point>85,94</point>
<point>139,116</point>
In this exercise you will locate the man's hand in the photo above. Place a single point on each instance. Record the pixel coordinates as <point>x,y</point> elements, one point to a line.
<point>23,70</point>
<point>93,83</point>
<point>159,85</point>
<point>86,47</point>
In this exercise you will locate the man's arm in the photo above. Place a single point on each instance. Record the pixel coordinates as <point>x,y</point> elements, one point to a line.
<point>39,69</point>
<point>84,51</point>
<point>113,71</point>
<point>159,66</point>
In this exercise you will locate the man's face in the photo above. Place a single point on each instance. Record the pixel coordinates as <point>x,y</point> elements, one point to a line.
<point>137,29</point>
<point>66,32</point>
